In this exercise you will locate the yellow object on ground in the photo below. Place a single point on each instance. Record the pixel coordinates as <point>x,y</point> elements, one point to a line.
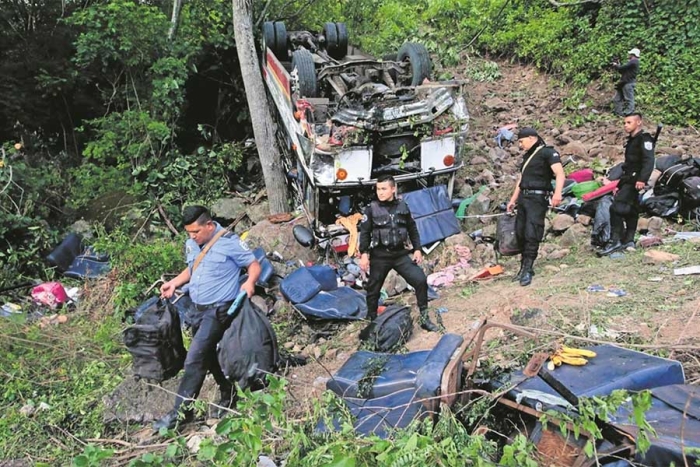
<point>350,223</point>
<point>570,356</point>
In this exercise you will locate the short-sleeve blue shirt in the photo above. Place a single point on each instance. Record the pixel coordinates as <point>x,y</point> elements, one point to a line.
<point>216,278</point>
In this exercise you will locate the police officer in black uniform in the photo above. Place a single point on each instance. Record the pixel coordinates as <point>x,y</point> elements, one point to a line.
<point>386,227</point>
<point>636,170</point>
<point>540,164</point>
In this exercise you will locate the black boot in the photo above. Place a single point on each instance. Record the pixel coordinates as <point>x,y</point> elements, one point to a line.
<point>611,247</point>
<point>528,272</point>
<point>171,420</point>
<point>227,401</point>
<point>520,272</point>
<point>425,322</point>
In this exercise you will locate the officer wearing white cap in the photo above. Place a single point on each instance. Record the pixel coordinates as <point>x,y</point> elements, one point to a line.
<point>541,163</point>
<point>624,89</point>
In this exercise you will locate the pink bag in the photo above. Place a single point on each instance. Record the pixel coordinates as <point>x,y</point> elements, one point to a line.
<point>602,191</point>
<point>583,175</point>
<point>51,294</point>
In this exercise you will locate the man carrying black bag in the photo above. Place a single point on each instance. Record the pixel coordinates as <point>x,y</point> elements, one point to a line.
<point>532,194</point>
<point>215,258</point>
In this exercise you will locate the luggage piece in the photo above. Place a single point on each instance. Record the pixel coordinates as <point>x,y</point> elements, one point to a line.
<point>155,341</point>
<point>661,206</point>
<point>248,350</point>
<point>583,175</point>
<point>602,191</point>
<point>615,172</point>
<point>662,163</point>
<point>64,254</point>
<point>691,193</point>
<point>506,241</point>
<point>586,187</point>
<point>389,330</point>
<point>672,178</point>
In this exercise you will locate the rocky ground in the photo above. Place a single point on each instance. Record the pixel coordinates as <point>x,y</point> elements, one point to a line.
<point>657,312</point>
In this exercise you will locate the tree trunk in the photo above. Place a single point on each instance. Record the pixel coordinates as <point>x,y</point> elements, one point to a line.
<point>263,125</point>
<point>177,5</point>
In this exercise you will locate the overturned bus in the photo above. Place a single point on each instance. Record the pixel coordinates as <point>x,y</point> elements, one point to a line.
<point>346,118</point>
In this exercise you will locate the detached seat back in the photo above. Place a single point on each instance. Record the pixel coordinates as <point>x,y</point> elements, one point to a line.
<point>386,391</point>
<point>76,262</point>
<point>266,269</point>
<point>315,293</point>
<point>431,208</point>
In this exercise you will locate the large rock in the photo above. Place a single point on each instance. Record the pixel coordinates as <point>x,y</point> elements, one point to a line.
<point>279,238</point>
<point>558,254</point>
<point>465,191</point>
<point>462,239</point>
<point>394,284</point>
<point>484,254</point>
<point>656,226</point>
<point>486,177</point>
<point>612,153</point>
<point>584,219</point>
<point>495,105</point>
<point>138,402</point>
<point>228,208</point>
<point>677,151</point>
<point>561,222</point>
<point>480,206</point>
<point>478,160</point>
<point>259,212</point>
<point>576,149</point>
<point>576,235</point>
<point>657,256</point>
<point>497,154</point>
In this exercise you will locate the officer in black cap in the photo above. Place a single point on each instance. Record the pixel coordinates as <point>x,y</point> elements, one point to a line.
<point>636,170</point>
<point>541,163</point>
<point>385,229</point>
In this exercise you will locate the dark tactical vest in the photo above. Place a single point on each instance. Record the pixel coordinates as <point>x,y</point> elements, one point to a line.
<point>390,230</point>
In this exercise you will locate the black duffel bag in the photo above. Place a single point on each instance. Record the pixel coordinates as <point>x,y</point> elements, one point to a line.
<point>662,206</point>
<point>389,330</point>
<point>248,350</point>
<point>671,179</point>
<point>155,341</point>
<point>691,193</point>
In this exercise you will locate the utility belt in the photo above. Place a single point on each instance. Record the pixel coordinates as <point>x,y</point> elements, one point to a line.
<point>527,191</point>
<point>216,305</point>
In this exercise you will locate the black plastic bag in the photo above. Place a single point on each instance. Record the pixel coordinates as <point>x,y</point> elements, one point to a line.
<point>600,234</point>
<point>155,341</point>
<point>506,241</point>
<point>248,350</point>
<point>661,206</point>
<point>389,330</point>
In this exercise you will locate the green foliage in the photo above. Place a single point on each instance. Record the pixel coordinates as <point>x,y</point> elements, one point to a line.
<point>591,411</point>
<point>92,456</point>
<point>53,381</point>
<point>29,195</point>
<point>137,265</point>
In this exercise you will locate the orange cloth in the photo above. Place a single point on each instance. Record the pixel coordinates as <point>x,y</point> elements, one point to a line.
<point>350,223</point>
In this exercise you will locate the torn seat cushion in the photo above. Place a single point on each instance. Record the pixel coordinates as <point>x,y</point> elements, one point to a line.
<point>402,381</point>
<point>612,368</point>
<point>432,210</point>
<point>675,417</point>
<point>314,292</point>
<point>341,303</point>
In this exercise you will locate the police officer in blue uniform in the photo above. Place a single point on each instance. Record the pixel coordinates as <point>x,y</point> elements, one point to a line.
<point>213,286</point>
<point>532,194</point>
<point>385,229</point>
<point>636,170</point>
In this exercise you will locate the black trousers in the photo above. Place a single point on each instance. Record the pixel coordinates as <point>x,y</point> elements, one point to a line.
<point>529,223</point>
<point>381,262</point>
<point>623,221</point>
<point>201,356</point>
<point>624,213</point>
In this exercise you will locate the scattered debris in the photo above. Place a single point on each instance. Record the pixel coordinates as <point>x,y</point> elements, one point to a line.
<point>686,271</point>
